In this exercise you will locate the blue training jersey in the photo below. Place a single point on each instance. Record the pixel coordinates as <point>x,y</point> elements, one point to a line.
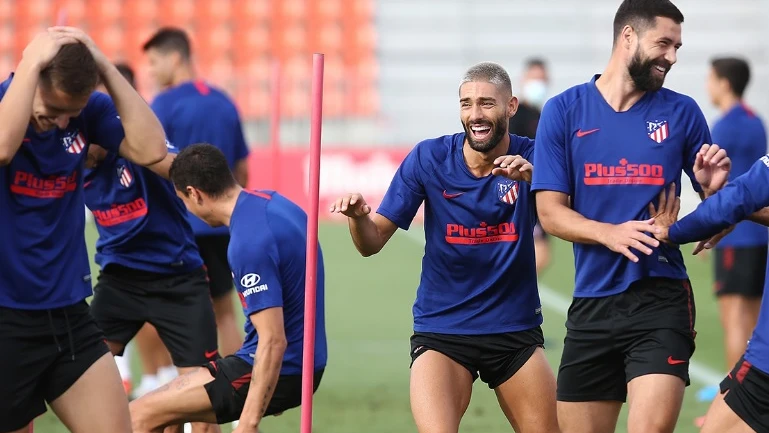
<point>42,240</point>
<point>736,201</point>
<point>613,165</point>
<point>478,270</point>
<point>743,136</point>
<point>196,112</point>
<point>267,255</point>
<point>141,222</point>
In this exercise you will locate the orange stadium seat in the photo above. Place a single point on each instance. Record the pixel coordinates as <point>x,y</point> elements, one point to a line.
<point>176,12</point>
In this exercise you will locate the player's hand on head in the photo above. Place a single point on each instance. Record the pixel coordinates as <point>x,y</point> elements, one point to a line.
<point>513,167</point>
<point>632,235</point>
<point>665,214</point>
<point>710,243</point>
<point>80,36</point>
<point>42,49</point>
<point>711,168</point>
<point>351,205</point>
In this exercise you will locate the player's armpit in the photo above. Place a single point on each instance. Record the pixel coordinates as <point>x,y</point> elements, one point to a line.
<point>268,360</point>
<point>161,168</point>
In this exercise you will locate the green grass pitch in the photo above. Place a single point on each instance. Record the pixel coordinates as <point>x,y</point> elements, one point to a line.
<point>368,311</point>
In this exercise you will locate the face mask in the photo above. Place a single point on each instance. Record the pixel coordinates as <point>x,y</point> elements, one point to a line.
<point>535,93</point>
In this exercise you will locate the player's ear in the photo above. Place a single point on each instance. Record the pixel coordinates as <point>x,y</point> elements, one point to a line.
<point>627,35</point>
<point>512,107</point>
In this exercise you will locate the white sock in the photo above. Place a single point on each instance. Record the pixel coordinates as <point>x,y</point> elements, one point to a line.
<point>124,367</point>
<point>167,374</point>
<point>148,382</point>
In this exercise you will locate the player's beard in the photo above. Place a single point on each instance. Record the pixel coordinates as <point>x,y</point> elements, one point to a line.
<point>496,134</point>
<point>643,73</point>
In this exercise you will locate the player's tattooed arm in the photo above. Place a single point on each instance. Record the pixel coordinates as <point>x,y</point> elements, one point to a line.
<point>268,360</point>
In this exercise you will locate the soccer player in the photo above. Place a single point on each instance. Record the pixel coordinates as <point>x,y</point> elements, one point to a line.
<point>477,310</point>
<point>193,111</point>
<point>740,257</point>
<point>157,366</point>
<point>50,114</point>
<point>267,256</point>
<point>151,271</point>
<point>605,149</point>
<point>743,404</point>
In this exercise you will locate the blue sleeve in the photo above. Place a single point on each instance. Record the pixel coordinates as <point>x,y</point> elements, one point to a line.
<point>735,202</point>
<point>256,274</point>
<point>162,112</point>
<point>406,191</point>
<point>550,163</point>
<point>241,148</point>
<point>103,122</point>
<point>697,135</point>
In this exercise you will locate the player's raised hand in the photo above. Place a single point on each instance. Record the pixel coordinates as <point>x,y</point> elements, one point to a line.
<point>620,238</point>
<point>351,205</point>
<point>513,167</point>
<point>711,168</point>
<point>665,214</point>
<point>80,36</point>
<point>42,49</point>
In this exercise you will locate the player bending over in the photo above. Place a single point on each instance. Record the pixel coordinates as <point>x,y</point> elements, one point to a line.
<point>50,114</point>
<point>479,216</point>
<point>151,271</point>
<point>605,150</point>
<point>743,404</point>
<point>267,256</point>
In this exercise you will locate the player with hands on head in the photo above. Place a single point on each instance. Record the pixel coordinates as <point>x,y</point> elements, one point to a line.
<point>479,215</point>
<point>50,115</point>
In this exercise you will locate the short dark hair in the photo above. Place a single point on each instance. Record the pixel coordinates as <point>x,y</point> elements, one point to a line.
<point>204,167</point>
<point>170,39</point>
<point>127,72</point>
<point>735,70</point>
<point>72,70</point>
<point>641,14</point>
<point>536,62</point>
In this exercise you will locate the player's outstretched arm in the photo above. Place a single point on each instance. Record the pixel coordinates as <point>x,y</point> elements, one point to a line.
<point>267,363</point>
<point>144,141</point>
<point>558,219</point>
<point>738,200</point>
<point>369,233</point>
<point>16,105</point>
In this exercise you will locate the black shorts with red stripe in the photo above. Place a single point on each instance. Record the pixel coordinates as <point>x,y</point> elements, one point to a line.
<point>647,329</point>
<point>748,395</point>
<point>740,271</point>
<point>232,379</point>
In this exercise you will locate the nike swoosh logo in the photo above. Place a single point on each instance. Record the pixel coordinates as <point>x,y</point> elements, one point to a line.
<point>450,196</point>
<point>581,133</point>
<point>672,361</point>
<point>210,355</point>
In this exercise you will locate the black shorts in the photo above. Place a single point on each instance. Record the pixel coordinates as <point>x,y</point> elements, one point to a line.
<point>178,306</point>
<point>740,271</point>
<point>45,353</point>
<point>748,395</point>
<point>647,329</point>
<point>493,357</point>
<point>232,378</point>
<point>213,251</point>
